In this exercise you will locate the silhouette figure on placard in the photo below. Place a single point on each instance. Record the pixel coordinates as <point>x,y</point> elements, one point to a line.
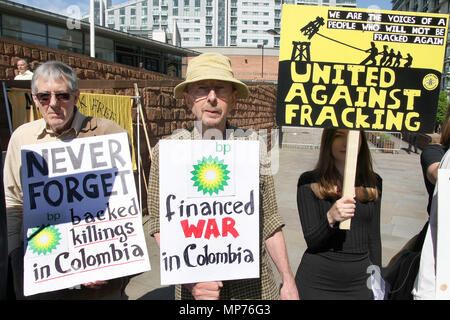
<point>372,56</point>
<point>409,60</point>
<point>301,50</point>
<point>385,54</point>
<point>390,58</point>
<point>313,27</point>
<point>398,59</point>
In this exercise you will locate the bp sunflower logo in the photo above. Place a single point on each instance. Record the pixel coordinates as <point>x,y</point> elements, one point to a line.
<point>210,175</point>
<point>44,239</point>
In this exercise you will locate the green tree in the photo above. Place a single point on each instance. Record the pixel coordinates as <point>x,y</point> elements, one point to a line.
<point>442,107</point>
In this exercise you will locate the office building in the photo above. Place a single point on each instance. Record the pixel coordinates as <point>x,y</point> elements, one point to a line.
<point>238,28</point>
<point>52,30</point>
<point>207,23</point>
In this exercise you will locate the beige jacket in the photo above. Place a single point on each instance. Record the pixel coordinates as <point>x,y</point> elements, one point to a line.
<point>32,133</point>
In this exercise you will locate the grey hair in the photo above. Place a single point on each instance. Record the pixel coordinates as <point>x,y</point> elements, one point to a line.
<point>55,70</point>
<point>24,60</point>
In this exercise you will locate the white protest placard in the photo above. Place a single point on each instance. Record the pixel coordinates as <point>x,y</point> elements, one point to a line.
<point>443,236</point>
<point>209,210</point>
<point>82,221</point>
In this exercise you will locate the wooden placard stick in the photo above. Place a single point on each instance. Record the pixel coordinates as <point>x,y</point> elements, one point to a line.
<point>351,159</point>
<point>143,174</point>
<point>136,92</point>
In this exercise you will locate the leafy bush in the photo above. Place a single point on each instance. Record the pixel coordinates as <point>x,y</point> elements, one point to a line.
<point>385,137</point>
<point>442,107</point>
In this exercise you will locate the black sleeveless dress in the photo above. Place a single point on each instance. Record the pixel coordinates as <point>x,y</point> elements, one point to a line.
<point>337,263</point>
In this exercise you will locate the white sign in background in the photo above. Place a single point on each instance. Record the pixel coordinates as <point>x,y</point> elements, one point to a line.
<point>209,210</point>
<point>443,236</point>
<point>82,221</point>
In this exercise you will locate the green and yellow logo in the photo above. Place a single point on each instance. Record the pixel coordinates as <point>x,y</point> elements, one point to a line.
<point>44,239</point>
<point>210,175</point>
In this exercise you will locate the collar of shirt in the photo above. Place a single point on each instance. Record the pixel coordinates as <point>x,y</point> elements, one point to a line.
<point>72,132</point>
<point>231,132</point>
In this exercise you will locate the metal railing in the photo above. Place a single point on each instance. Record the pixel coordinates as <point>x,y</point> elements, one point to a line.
<point>303,137</point>
<point>384,141</point>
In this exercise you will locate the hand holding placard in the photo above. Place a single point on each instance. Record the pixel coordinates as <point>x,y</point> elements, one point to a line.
<point>351,159</point>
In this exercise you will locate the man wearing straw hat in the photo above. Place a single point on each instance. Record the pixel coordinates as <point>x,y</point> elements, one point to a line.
<point>210,91</point>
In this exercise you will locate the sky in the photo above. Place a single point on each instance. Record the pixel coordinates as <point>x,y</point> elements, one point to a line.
<point>73,8</point>
<point>382,4</point>
<point>64,7</point>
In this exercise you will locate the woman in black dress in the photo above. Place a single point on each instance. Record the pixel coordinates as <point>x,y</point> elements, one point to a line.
<point>336,262</point>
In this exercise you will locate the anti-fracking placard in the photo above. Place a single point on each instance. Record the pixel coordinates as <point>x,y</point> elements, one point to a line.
<point>354,68</point>
<point>82,221</point>
<point>209,210</point>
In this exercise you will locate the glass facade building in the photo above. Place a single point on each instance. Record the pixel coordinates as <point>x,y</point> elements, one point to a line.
<point>215,23</point>
<point>59,32</point>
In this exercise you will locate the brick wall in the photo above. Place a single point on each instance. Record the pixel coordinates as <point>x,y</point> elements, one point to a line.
<point>249,68</point>
<point>162,113</point>
<point>86,67</point>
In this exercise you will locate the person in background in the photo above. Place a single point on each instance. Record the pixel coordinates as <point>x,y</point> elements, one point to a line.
<point>425,282</point>
<point>412,141</point>
<point>335,263</point>
<point>24,73</point>
<point>430,159</point>
<point>402,270</point>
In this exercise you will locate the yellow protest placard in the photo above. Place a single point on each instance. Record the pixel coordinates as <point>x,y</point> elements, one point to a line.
<point>112,107</point>
<point>355,68</point>
<point>22,107</point>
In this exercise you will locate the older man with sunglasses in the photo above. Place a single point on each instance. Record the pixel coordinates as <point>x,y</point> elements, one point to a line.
<point>54,87</point>
<point>210,91</point>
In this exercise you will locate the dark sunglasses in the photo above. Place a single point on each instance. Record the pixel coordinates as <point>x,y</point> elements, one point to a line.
<point>45,97</point>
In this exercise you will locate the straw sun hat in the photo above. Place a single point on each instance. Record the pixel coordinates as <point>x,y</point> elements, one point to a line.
<point>210,66</point>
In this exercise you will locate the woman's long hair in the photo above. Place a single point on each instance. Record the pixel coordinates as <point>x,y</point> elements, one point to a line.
<point>329,177</point>
<point>445,135</point>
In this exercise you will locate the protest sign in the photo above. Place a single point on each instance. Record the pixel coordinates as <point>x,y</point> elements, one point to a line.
<point>113,107</point>
<point>81,214</point>
<point>22,107</point>
<point>359,69</point>
<point>443,236</point>
<point>354,68</point>
<point>209,210</point>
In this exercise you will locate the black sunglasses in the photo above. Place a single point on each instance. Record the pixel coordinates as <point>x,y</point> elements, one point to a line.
<point>45,97</point>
